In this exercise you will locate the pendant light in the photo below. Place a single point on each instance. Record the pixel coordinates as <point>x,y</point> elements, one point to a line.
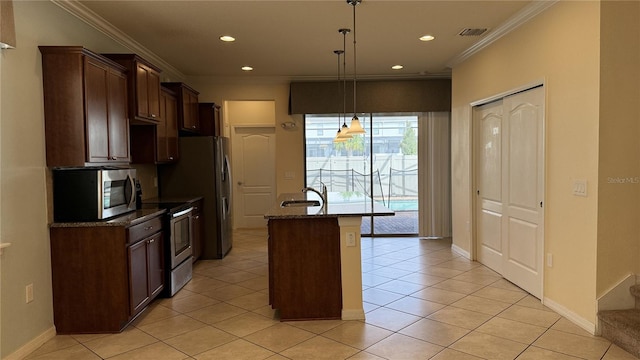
<point>344,133</point>
<point>338,137</point>
<point>355,127</point>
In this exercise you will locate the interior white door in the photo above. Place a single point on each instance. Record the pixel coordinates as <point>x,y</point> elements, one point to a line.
<point>488,121</point>
<point>510,188</point>
<point>525,190</point>
<point>253,158</point>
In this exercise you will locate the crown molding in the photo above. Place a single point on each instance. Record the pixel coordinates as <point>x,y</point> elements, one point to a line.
<point>85,14</point>
<point>527,13</point>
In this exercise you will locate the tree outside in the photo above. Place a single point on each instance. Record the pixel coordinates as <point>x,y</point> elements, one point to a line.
<point>409,143</point>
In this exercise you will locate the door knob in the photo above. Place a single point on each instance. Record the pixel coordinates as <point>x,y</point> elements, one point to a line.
<point>240,183</point>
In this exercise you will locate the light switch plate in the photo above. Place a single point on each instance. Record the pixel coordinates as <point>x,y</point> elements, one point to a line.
<point>580,187</point>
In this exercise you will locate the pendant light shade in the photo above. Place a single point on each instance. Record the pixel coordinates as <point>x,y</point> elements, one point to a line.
<point>356,127</point>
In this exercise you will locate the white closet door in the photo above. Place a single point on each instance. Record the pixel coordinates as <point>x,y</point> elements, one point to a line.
<point>510,188</point>
<point>488,120</point>
<point>524,190</point>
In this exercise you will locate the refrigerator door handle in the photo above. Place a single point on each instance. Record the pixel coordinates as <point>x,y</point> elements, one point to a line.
<point>229,183</point>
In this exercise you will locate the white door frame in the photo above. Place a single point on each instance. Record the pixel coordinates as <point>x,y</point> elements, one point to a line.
<point>474,168</point>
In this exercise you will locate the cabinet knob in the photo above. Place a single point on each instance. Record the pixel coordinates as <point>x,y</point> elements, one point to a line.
<point>152,241</point>
<point>193,126</point>
<point>170,157</point>
<point>148,228</point>
<point>114,158</point>
<point>153,115</point>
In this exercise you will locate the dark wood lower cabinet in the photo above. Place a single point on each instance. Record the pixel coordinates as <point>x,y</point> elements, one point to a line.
<point>146,269</point>
<point>103,276</point>
<point>304,268</point>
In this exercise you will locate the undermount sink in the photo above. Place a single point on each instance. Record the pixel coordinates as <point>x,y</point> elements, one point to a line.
<point>288,203</point>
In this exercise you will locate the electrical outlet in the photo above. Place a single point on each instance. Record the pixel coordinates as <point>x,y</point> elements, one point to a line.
<point>549,260</point>
<point>351,239</point>
<point>29,293</point>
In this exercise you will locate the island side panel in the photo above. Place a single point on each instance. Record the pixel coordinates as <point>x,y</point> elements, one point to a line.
<point>304,268</point>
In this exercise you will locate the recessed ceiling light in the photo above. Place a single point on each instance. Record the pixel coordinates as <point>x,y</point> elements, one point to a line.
<point>427,38</point>
<point>247,68</point>
<point>397,67</point>
<point>227,38</point>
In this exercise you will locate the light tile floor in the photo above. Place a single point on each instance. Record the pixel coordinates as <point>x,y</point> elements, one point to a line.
<point>422,301</point>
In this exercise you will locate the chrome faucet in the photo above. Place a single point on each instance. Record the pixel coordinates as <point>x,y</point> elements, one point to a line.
<point>323,194</point>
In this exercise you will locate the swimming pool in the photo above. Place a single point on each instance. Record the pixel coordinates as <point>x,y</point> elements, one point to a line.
<point>402,204</point>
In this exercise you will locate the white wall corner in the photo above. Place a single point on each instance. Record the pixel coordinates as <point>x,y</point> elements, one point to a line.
<point>32,345</point>
<point>570,315</point>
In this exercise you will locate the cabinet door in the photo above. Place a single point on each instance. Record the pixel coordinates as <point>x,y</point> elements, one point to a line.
<point>155,264</point>
<point>161,132</point>
<point>142,97</point>
<point>96,76</point>
<point>118,123</point>
<point>138,276</point>
<point>153,93</point>
<point>171,110</point>
<point>190,110</point>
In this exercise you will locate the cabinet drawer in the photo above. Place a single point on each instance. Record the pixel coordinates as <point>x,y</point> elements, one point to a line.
<point>145,229</point>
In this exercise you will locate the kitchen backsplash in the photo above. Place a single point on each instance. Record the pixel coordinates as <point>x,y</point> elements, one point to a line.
<point>147,175</point>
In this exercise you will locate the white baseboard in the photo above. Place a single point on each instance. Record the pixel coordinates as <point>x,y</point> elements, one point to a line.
<point>460,251</point>
<point>32,345</point>
<point>353,314</point>
<point>583,323</point>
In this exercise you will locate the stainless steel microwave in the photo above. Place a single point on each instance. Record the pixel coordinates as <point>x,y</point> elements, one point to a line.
<point>90,194</point>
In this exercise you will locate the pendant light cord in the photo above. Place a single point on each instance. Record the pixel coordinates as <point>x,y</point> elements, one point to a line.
<point>354,3</point>
<point>344,77</point>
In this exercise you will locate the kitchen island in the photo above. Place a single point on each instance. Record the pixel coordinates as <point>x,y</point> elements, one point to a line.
<point>315,267</point>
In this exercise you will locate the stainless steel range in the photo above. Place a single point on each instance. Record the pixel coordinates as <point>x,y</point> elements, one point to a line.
<point>179,251</point>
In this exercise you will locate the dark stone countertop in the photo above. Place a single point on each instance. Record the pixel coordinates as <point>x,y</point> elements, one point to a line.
<point>339,204</point>
<point>126,220</point>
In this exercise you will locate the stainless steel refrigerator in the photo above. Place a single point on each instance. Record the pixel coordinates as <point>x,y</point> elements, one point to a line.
<point>203,169</point>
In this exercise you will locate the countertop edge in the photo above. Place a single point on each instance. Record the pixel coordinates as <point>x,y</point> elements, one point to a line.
<point>126,220</point>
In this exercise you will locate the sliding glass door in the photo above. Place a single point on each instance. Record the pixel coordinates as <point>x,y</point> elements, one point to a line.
<point>381,164</point>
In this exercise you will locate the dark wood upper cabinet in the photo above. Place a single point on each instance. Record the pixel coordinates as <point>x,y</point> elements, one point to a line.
<point>157,144</point>
<point>144,87</point>
<point>188,118</point>
<point>85,104</point>
<point>210,121</point>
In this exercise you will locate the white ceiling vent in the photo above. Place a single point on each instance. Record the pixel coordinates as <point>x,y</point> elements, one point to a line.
<point>472,32</point>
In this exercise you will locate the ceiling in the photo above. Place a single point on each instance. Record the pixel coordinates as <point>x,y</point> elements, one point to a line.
<point>296,39</point>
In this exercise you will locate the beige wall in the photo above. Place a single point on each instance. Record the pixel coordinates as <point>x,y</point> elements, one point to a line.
<point>561,48</point>
<point>619,173</point>
<point>289,143</point>
<point>24,177</point>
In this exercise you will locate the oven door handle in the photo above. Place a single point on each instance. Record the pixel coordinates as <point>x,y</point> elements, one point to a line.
<point>183,212</point>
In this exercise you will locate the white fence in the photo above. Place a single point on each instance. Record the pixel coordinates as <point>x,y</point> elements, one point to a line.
<point>394,176</point>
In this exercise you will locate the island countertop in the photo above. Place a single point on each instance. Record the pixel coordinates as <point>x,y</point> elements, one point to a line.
<point>338,204</point>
